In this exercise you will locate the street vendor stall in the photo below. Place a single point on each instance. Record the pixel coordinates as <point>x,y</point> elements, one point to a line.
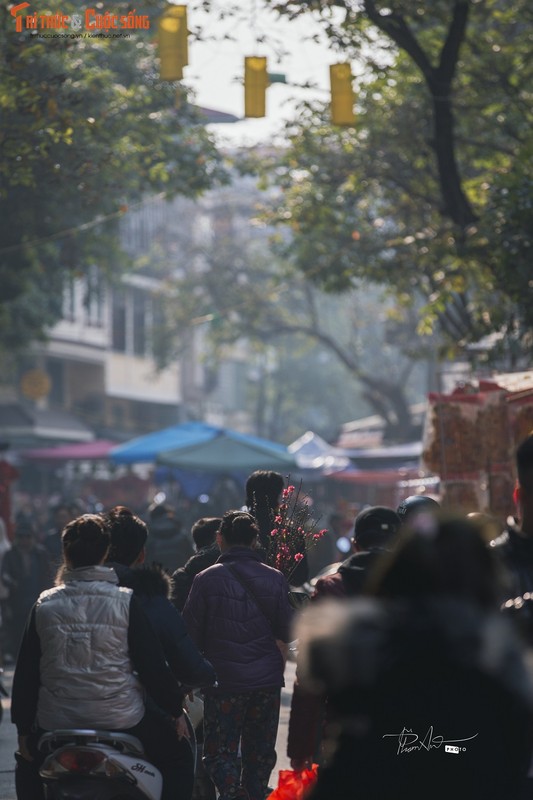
<point>470,438</point>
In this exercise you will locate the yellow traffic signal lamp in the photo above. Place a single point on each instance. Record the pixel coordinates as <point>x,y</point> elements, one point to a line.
<point>172,43</point>
<point>255,86</point>
<point>342,94</point>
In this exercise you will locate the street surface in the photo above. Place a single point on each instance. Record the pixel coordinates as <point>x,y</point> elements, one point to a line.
<point>8,737</point>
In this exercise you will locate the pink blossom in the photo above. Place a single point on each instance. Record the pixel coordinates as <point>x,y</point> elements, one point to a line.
<point>278,519</point>
<point>274,532</point>
<point>298,556</point>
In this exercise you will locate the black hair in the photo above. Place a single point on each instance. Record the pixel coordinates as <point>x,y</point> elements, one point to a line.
<point>128,535</point>
<point>263,489</point>
<point>440,556</point>
<point>239,527</point>
<point>204,531</point>
<point>159,510</point>
<point>85,541</point>
<point>524,463</point>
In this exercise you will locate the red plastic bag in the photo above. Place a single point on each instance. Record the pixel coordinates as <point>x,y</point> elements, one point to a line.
<point>294,785</point>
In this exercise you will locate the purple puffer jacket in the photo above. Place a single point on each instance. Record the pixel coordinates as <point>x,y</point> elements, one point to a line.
<point>229,628</point>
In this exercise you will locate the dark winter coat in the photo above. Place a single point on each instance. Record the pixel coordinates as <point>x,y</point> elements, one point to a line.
<point>151,586</point>
<point>229,627</point>
<point>168,545</point>
<point>25,586</point>
<point>515,552</point>
<point>351,576</point>
<point>309,710</point>
<point>441,670</point>
<point>183,577</point>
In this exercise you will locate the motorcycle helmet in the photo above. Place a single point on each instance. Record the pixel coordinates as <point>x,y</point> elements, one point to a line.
<point>414,504</point>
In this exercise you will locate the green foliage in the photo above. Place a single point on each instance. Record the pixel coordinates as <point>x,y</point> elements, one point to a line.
<point>374,202</point>
<point>88,129</point>
<point>233,288</point>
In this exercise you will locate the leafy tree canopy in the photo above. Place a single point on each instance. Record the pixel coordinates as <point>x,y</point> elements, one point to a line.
<point>430,193</point>
<point>88,129</point>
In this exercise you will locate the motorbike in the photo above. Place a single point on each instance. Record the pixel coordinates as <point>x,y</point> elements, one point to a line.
<point>98,765</point>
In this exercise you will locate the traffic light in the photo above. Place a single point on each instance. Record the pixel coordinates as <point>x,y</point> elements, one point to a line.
<point>172,43</point>
<point>255,86</point>
<point>342,94</point>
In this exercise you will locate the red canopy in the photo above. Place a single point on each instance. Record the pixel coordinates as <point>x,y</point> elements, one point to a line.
<point>84,451</point>
<point>378,477</point>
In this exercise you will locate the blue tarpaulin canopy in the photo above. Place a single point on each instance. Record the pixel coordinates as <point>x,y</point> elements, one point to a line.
<point>202,447</point>
<point>145,449</point>
<point>228,451</point>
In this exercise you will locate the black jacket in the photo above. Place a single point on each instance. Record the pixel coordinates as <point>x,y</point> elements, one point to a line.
<point>151,586</point>
<point>183,577</point>
<point>515,552</point>
<point>407,681</point>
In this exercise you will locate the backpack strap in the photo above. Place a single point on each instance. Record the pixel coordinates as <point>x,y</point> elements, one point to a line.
<point>247,588</point>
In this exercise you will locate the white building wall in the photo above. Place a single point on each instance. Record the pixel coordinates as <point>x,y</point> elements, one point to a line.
<point>135,378</point>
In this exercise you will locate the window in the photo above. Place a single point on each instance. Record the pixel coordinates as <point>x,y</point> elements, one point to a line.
<point>119,321</point>
<point>69,299</point>
<point>140,309</point>
<point>94,297</point>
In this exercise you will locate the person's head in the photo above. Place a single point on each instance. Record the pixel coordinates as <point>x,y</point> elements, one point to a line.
<point>416,504</point>
<point>85,541</point>
<point>263,490</point>
<point>128,536</point>
<point>159,511</point>
<point>439,556</point>
<point>238,528</point>
<point>374,527</point>
<point>336,521</point>
<point>204,531</point>
<point>162,520</point>
<point>24,534</point>
<point>524,468</point>
<point>61,515</point>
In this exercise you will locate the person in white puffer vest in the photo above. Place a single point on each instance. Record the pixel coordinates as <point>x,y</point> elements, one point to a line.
<point>87,655</point>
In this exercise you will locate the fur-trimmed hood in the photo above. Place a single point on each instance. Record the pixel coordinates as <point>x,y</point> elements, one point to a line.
<point>148,581</point>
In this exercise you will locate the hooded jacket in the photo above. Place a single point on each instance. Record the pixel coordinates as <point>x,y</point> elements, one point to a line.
<point>234,631</point>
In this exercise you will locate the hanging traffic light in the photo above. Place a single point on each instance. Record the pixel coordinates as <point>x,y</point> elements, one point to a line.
<point>255,86</point>
<point>342,94</point>
<point>172,43</point>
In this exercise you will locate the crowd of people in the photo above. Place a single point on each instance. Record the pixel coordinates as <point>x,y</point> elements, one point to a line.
<point>413,675</point>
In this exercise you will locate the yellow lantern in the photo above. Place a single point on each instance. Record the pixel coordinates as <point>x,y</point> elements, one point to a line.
<point>255,86</point>
<point>172,43</point>
<point>342,94</point>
